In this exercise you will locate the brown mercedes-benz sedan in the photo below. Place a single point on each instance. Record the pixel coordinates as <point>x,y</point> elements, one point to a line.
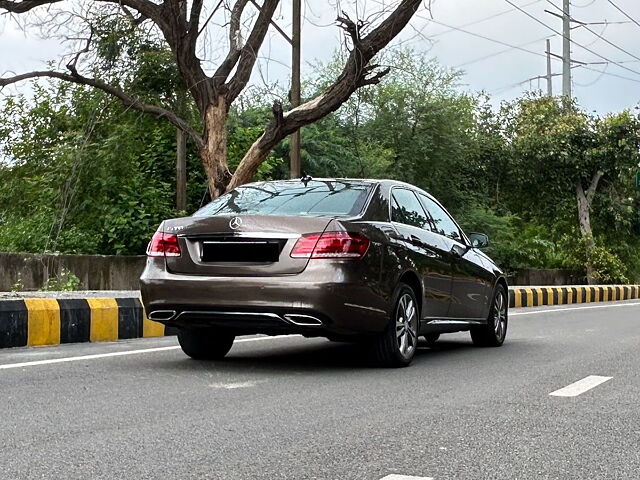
<point>374,260</point>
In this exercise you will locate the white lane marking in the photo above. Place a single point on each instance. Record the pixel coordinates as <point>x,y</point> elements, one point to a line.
<point>119,354</point>
<point>581,386</point>
<point>404,477</point>
<point>162,349</point>
<point>234,385</point>
<point>547,310</point>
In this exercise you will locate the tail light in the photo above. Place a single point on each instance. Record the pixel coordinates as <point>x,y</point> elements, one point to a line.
<point>163,245</point>
<point>331,245</point>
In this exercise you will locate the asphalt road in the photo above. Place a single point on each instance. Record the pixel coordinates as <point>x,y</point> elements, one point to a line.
<point>293,408</point>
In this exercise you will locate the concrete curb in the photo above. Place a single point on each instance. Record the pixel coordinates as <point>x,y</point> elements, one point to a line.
<point>34,320</point>
<point>53,321</point>
<point>565,295</point>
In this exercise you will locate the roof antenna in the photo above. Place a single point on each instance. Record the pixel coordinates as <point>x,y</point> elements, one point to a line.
<point>305,178</point>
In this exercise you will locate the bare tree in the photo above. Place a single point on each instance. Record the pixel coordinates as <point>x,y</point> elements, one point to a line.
<point>214,94</point>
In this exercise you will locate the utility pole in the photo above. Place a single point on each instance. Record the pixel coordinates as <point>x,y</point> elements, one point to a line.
<point>549,75</point>
<point>181,170</point>
<point>294,153</point>
<point>181,158</point>
<point>566,49</point>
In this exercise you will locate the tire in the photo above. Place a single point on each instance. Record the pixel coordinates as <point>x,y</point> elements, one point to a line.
<point>431,338</point>
<point>397,345</point>
<point>205,343</point>
<point>495,331</point>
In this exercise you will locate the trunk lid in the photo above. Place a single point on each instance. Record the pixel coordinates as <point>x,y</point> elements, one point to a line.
<point>244,245</point>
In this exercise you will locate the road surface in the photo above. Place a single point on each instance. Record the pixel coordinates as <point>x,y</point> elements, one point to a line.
<point>560,400</point>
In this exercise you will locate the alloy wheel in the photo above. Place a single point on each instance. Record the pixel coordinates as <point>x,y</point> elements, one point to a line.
<point>406,325</point>
<point>500,316</point>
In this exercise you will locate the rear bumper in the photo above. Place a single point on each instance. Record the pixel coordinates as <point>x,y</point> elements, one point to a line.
<point>325,299</point>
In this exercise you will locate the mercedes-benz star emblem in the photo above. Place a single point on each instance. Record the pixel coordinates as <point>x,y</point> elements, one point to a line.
<point>235,223</point>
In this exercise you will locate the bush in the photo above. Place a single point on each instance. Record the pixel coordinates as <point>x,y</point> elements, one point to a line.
<point>608,267</point>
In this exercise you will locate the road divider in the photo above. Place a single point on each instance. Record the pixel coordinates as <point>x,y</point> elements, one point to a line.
<point>570,294</point>
<point>54,318</point>
<point>52,321</point>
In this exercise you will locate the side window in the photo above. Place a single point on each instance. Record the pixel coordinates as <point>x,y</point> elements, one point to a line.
<point>405,208</point>
<point>444,224</point>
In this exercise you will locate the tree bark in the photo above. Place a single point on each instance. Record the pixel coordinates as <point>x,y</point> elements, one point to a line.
<point>585,199</point>
<point>214,151</point>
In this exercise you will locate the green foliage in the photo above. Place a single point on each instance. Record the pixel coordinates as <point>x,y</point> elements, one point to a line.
<point>513,243</point>
<point>81,174</point>
<point>65,281</point>
<point>18,286</point>
<point>609,268</point>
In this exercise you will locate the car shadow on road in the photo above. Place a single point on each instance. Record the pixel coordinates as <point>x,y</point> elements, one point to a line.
<point>325,356</point>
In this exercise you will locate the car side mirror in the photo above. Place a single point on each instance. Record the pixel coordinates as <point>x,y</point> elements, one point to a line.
<point>479,240</point>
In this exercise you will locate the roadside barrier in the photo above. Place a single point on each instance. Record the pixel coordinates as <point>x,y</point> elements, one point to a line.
<point>564,295</point>
<point>34,321</point>
<point>52,321</point>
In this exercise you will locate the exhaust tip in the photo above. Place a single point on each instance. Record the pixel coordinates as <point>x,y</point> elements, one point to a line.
<point>161,315</point>
<point>303,320</point>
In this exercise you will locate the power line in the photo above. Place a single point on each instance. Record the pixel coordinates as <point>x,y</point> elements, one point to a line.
<point>490,17</point>
<point>586,26</point>
<point>500,42</point>
<point>495,54</point>
<point>624,13</point>
<point>585,5</point>
<point>611,43</point>
<point>520,47</point>
<point>610,74</point>
<point>598,78</point>
<point>575,43</point>
<point>539,77</point>
<point>600,72</point>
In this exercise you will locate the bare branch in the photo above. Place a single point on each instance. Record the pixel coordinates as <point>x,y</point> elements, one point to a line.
<point>235,38</point>
<point>249,52</point>
<point>127,99</point>
<point>74,62</point>
<point>225,68</point>
<point>23,6</point>
<point>194,16</point>
<point>352,28</point>
<point>353,76</point>
<point>213,12</point>
<point>134,20</point>
<point>145,7</point>
<point>376,78</point>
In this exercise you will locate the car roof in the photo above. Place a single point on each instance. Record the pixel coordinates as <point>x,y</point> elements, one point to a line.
<point>362,181</point>
<point>341,180</point>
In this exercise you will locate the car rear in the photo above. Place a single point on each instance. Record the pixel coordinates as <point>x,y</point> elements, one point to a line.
<point>271,257</point>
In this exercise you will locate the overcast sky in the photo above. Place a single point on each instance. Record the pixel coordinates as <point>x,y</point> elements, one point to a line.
<point>503,75</point>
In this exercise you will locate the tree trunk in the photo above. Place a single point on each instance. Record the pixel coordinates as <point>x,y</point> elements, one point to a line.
<point>214,151</point>
<point>584,219</point>
<point>260,149</point>
<point>585,199</point>
<point>251,161</point>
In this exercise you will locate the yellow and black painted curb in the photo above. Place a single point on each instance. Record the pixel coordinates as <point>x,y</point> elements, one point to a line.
<point>50,321</point>
<point>564,295</point>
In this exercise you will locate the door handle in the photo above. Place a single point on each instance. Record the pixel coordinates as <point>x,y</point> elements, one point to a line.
<point>416,241</point>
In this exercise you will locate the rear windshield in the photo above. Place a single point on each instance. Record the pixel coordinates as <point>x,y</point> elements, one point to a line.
<point>317,198</point>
